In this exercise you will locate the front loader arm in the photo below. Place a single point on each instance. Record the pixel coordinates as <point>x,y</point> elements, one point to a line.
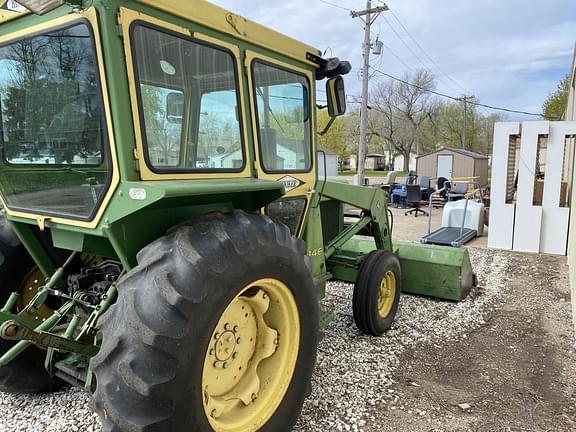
<point>373,202</point>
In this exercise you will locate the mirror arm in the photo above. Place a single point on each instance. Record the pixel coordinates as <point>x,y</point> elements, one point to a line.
<point>328,126</point>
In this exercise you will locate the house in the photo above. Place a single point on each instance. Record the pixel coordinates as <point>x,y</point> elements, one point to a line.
<point>328,159</point>
<point>571,115</point>
<point>399,162</point>
<point>289,155</point>
<point>453,163</point>
<point>374,162</point>
<point>230,160</point>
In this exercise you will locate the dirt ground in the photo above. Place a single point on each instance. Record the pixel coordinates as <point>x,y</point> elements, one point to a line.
<point>516,373</point>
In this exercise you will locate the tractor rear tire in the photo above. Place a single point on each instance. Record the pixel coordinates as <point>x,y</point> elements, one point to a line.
<point>377,292</point>
<point>26,373</point>
<point>215,329</point>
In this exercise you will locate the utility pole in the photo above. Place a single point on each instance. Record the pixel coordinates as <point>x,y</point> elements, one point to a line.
<point>465,119</point>
<point>368,16</point>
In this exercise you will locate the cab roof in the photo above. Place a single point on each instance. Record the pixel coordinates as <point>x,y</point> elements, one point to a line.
<point>219,19</point>
<point>228,22</point>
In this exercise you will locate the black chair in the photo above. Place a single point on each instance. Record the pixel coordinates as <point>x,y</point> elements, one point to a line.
<point>413,199</point>
<point>440,199</point>
<point>440,184</point>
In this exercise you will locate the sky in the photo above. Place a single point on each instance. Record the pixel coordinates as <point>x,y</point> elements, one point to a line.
<point>506,53</point>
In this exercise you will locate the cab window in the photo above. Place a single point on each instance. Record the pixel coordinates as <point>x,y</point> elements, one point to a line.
<point>219,143</point>
<point>188,100</point>
<point>282,101</point>
<point>53,138</point>
<point>163,132</point>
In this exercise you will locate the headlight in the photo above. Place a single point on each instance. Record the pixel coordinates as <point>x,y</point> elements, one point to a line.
<point>40,7</point>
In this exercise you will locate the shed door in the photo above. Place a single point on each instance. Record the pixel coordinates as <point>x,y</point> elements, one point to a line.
<point>444,167</point>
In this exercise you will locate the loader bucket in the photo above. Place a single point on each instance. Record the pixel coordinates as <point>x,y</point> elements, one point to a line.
<point>429,270</point>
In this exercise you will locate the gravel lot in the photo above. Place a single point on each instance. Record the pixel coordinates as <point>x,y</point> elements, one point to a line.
<point>355,378</point>
<point>355,373</point>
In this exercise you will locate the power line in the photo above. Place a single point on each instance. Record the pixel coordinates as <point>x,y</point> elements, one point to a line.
<point>495,108</point>
<point>447,84</point>
<point>425,53</point>
<point>336,5</point>
<point>397,57</point>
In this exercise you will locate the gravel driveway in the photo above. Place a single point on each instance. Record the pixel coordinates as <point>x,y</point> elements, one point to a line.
<point>355,374</point>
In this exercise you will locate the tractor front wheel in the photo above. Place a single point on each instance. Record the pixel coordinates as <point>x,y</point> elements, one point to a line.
<point>215,330</point>
<point>377,292</point>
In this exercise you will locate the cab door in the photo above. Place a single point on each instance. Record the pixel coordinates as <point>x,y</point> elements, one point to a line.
<point>283,125</point>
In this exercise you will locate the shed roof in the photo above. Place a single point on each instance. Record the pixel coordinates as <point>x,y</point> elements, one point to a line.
<point>463,152</point>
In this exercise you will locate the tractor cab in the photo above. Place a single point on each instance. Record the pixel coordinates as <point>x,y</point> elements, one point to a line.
<point>94,97</point>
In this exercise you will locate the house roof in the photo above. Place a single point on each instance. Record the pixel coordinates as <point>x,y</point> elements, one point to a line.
<point>378,155</point>
<point>328,152</point>
<point>463,152</point>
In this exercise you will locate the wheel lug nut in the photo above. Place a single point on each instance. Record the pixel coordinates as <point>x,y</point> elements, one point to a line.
<point>254,397</point>
<point>234,355</point>
<point>216,335</point>
<point>225,365</point>
<point>226,326</point>
<point>236,329</point>
<point>213,414</point>
<point>212,351</point>
<point>238,340</point>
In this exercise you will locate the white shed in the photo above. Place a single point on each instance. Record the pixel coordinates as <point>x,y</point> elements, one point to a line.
<point>331,163</point>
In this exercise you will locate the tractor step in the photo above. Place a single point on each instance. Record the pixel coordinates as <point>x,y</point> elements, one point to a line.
<point>72,370</point>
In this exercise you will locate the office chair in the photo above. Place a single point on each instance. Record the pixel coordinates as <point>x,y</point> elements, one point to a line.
<point>413,199</point>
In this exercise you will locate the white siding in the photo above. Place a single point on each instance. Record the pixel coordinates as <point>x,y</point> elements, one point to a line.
<point>571,115</point>
<point>331,165</point>
<point>399,162</point>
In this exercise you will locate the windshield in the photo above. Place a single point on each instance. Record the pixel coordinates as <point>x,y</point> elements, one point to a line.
<point>51,119</point>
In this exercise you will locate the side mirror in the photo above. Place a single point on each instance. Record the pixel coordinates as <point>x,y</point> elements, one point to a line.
<point>175,107</point>
<point>336,96</point>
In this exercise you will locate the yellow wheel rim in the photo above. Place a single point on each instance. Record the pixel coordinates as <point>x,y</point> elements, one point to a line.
<point>28,289</point>
<point>386,294</point>
<point>251,357</point>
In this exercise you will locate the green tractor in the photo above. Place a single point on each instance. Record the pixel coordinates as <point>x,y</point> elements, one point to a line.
<point>165,240</point>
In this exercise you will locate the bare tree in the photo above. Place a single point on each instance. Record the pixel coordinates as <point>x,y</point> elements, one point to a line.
<point>400,109</point>
<point>445,128</point>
